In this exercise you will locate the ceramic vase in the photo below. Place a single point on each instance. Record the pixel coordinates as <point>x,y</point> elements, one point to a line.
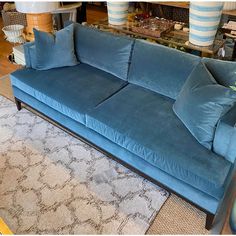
<point>117,12</point>
<point>204,19</point>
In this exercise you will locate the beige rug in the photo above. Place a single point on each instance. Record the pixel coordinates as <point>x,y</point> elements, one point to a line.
<point>52,183</point>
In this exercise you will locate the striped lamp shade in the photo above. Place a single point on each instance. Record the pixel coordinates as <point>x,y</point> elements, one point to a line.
<point>204,18</point>
<point>229,6</point>
<point>117,12</point>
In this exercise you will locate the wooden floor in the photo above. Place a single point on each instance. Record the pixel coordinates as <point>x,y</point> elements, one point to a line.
<point>93,14</point>
<point>5,50</point>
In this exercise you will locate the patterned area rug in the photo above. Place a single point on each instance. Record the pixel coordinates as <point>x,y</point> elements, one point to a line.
<point>52,183</point>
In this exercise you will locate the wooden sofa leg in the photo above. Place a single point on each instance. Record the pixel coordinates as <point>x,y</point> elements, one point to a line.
<point>18,104</point>
<point>209,221</point>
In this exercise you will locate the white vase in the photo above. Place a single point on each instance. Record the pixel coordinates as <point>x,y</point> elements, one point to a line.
<point>204,19</point>
<point>117,12</point>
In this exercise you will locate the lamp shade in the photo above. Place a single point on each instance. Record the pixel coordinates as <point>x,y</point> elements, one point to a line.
<point>36,7</point>
<point>229,6</point>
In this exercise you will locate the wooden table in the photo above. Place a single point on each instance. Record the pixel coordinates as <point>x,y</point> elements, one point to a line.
<point>230,13</point>
<point>185,5</point>
<point>173,4</point>
<point>175,37</point>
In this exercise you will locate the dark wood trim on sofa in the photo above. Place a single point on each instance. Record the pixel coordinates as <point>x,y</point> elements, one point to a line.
<point>18,104</point>
<point>209,216</point>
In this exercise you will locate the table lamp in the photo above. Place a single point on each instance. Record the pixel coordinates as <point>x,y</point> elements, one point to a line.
<point>38,15</point>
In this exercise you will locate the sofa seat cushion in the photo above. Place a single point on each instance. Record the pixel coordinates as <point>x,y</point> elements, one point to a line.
<point>143,122</point>
<point>73,91</point>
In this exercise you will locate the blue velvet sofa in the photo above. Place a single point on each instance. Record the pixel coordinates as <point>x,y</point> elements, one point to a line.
<point>120,97</point>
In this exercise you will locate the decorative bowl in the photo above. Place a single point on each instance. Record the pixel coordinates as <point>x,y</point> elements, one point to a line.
<point>13,32</point>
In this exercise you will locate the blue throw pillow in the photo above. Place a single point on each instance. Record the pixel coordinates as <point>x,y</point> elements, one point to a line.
<point>55,50</point>
<point>201,103</point>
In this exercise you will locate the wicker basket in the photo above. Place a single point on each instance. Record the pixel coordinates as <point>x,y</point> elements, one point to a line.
<point>13,18</point>
<point>14,33</point>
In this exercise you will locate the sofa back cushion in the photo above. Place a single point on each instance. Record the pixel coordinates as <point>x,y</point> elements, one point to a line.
<point>159,68</point>
<point>105,51</point>
<point>223,71</point>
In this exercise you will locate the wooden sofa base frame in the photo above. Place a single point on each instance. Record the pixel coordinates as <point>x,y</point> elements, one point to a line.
<point>209,216</point>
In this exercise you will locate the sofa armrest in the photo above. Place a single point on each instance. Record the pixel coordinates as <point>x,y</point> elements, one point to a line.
<point>30,54</point>
<point>224,142</point>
